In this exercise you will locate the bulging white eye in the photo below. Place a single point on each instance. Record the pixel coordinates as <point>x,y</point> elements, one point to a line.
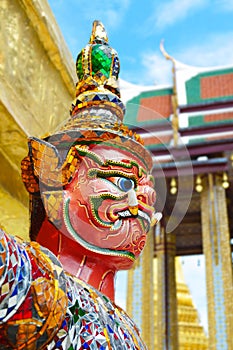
<point>124,184</point>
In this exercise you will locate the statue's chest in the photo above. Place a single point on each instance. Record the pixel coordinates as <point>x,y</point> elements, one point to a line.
<point>94,322</point>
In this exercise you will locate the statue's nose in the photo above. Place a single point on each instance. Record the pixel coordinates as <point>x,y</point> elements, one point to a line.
<point>133,202</point>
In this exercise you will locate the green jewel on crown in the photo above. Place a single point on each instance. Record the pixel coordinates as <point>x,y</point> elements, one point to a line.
<point>101,58</point>
<point>98,63</point>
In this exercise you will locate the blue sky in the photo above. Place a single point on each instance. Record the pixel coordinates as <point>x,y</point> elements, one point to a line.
<point>195,32</point>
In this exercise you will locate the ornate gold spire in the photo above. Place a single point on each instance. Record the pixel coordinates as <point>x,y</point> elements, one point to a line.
<point>191,333</point>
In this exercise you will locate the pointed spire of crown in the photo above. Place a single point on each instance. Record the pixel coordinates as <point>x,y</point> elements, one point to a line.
<point>97,69</point>
<point>98,34</point>
<point>97,106</point>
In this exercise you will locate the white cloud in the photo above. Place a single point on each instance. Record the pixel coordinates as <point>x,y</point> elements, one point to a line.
<point>157,69</point>
<point>169,12</point>
<point>215,51</point>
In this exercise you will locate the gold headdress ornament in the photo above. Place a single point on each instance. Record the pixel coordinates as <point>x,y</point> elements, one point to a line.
<point>96,115</point>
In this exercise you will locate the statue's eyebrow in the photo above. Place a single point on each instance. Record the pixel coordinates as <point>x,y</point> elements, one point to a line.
<point>125,165</point>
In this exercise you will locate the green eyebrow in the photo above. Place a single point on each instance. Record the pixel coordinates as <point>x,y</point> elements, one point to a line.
<point>129,165</point>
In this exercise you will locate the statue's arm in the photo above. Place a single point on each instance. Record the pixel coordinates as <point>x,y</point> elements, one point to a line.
<point>33,300</point>
<point>15,276</point>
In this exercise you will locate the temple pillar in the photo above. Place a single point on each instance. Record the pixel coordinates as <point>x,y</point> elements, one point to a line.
<point>167,325</point>
<point>216,247</point>
<point>140,293</point>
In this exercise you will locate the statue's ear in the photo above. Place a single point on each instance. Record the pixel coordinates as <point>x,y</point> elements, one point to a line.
<point>48,167</point>
<point>29,179</point>
<point>46,162</point>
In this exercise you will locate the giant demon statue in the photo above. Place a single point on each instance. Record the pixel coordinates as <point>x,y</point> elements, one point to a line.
<point>91,204</point>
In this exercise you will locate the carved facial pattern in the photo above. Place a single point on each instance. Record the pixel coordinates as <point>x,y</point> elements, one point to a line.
<point>108,206</point>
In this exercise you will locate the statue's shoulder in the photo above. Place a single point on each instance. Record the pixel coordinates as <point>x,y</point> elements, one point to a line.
<point>33,294</point>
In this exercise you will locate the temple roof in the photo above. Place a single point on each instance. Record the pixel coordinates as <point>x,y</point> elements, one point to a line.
<point>199,108</point>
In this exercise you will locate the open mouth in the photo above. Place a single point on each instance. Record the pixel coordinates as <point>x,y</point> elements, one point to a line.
<point>126,214</point>
<point>112,216</point>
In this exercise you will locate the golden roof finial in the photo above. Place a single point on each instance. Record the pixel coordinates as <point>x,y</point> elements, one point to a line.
<point>175,119</point>
<point>164,52</point>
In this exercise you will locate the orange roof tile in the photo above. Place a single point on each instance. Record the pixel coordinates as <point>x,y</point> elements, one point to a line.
<point>217,86</point>
<point>217,117</point>
<point>154,108</point>
<point>153,140</point>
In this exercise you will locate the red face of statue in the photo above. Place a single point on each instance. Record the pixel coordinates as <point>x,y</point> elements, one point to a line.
<point>108,206</point>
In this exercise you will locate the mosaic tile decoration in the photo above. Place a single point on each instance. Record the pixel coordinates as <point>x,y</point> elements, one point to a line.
<point>42,307</point>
